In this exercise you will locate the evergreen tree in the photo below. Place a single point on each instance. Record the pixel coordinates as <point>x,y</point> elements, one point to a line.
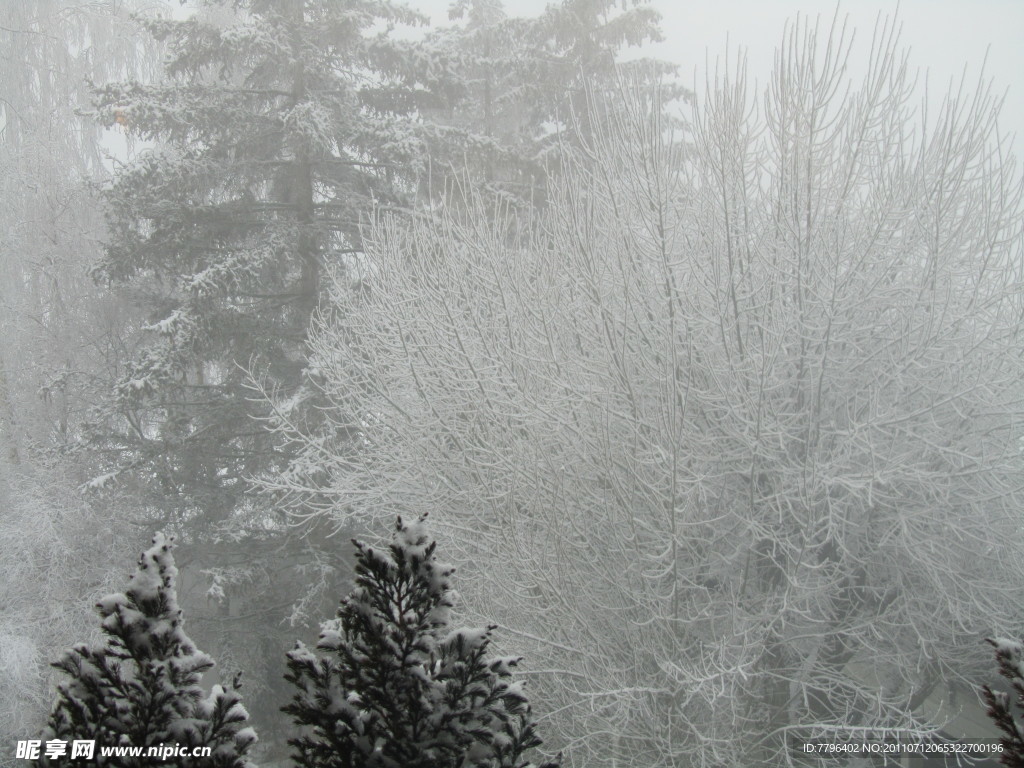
<point>277,133</point>
<point>394,686</point>
<point>141,687</point>
<point>1001,706</point>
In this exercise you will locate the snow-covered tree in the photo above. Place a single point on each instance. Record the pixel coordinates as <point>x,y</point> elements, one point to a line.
<point>1004,708</point>
<point>278,130</point>
<point>141,686</point>
<point>394,687</point>
<point>732,440</point>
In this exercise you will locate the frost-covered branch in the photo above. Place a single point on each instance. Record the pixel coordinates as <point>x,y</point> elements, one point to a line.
<point>738,420</point>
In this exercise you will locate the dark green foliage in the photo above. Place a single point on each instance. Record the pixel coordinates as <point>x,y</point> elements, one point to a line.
<point>393,687</point>
<point>141,687</point>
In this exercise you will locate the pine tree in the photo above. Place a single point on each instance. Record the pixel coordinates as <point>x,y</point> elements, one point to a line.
<point>1001,706</point>
<point>276,134</point>
<point>141,687</point>
<point>394,687</point>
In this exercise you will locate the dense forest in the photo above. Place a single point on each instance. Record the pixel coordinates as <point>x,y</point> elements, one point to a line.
<point>712,399</point>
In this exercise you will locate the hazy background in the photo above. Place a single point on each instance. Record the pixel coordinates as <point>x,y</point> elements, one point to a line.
<point>944,36</point>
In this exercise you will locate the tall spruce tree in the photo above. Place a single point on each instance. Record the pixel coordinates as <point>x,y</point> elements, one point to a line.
<point>141,687</point>
<point>394,686</point>
<point>275,134</point>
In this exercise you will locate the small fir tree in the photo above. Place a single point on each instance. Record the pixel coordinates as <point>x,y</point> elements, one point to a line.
<point>141,688</point>
<point>1010,656</point>
<point>394,686</point>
